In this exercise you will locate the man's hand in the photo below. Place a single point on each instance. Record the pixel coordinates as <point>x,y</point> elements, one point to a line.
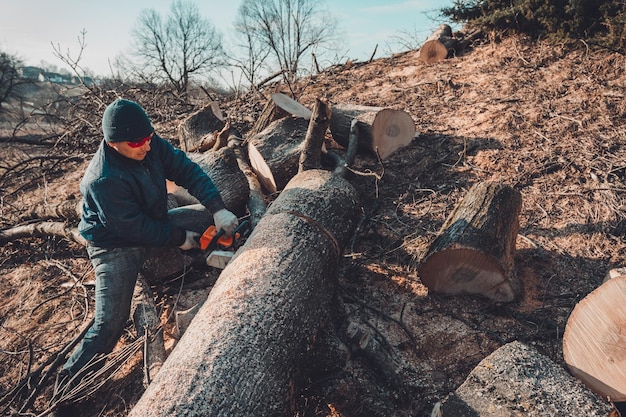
<point>191,240</point>
<point>226,221</point>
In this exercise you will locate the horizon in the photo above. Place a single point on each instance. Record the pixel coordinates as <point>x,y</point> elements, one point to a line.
<point>369,25</point>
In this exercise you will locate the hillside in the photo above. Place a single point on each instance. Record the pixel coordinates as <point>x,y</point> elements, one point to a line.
<point>546,120</point>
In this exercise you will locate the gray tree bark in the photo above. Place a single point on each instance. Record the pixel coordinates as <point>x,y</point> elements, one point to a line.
<point>238,356</point>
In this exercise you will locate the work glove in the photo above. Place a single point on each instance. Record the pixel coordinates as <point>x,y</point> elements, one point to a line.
<point>192,240</point>
<point>226,221</point>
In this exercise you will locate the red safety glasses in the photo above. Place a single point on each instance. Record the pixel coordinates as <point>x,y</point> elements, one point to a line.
<point>141,142</point>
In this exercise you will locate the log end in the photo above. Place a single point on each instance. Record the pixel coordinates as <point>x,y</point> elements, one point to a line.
<point>391,131</point>
<point>433,51</point>
<point>261,169</point>
<point>466,271</point>
<point>594,341</point>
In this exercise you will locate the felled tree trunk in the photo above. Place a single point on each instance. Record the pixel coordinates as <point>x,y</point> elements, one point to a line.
<point>438,45</point>
<point>196,132</point>
<point>241,350</point>
<point>516,380</point>
<point>274,153</point>
<point>594,341</point>
<point>66,210</point>
<point>223,169</point>
<point>473,252</point>
<point>381,131</point>
<point>278,106</point>
<point>42,229</point>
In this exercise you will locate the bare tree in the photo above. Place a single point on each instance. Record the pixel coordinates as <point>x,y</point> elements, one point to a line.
<point>290,28</point>
<point>178,47</point>
<point>255,52</point>
<point>10,80</point>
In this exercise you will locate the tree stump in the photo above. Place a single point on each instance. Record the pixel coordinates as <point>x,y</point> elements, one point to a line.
<point>381,131</point>
<point>223,169</point>
<point>274,153</point>
<point>517,380</point>
<point>240,352</point>
<point>594,342</point>
<point>438,45</point>
<point>473,252</point>
<point>196,132</point>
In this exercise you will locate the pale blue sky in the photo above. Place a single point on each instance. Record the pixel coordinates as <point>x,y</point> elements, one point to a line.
<point>28,28</point>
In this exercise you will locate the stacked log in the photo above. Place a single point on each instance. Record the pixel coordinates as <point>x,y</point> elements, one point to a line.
<point>223,169</point>
<point>197,132</point>
<point>438,45</point>
<point>274,153</point>
<point>381,131</point>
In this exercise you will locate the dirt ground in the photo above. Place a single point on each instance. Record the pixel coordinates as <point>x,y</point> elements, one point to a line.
<point>545,119</point>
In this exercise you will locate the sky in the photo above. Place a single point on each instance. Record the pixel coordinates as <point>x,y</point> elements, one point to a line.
<point>30,29</point>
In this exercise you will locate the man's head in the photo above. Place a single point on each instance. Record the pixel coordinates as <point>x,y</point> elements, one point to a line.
<point>125,121</point>
<point>127,128</point>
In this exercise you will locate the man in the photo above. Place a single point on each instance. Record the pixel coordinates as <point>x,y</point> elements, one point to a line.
<point>125,215</point>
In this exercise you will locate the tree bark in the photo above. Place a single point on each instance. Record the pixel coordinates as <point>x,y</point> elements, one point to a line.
<point>473,252</point>
<point>41,229</point>
<point>196,132</point>
<point>270,113</point>
<point>381,131</point>
<point>223,169</point>
<point>517,380</point>
<point>438,45</point>
<point>66,210</point>
<point>240,352</point>
<point>275,152</point>
<point>311,155</point>
<point>594,342</point>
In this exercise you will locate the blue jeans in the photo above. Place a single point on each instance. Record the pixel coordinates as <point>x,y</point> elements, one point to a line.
<point>116,272</point>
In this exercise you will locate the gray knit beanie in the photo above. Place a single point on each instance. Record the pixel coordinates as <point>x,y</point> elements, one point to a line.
<point>125,120</point>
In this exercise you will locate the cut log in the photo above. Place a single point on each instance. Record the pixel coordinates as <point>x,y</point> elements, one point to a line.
<point>594,342</point>
<point>473,252</point>
<point>438,45</point>
<point>517,380</point>
<point>381,131</point>
<point>270,113</point>
<point>147,323</point>
<point>274,153</point>
<point>256,203</point>
<point>291,106</point>
<point>240,352</point>
<point>196,132</point>
<point>223,169</point>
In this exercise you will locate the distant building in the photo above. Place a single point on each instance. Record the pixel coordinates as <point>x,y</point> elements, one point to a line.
<point>31,73</point>
<point>54,77</point>
<point>88,81</point>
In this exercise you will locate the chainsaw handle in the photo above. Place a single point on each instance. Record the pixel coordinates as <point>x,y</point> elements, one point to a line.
<point>241,231</point>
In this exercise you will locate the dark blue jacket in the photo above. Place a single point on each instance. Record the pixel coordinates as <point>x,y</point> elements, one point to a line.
<point>125,201</point>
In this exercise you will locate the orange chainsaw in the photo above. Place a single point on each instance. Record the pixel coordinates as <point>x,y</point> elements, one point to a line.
<point>221,248</point>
